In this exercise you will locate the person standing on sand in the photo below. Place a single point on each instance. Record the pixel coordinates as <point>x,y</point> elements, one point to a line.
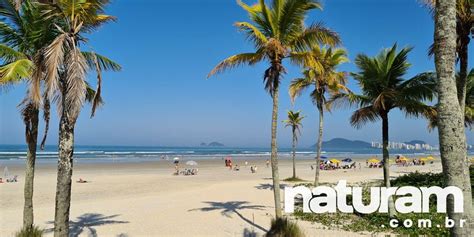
<point>268,163</point>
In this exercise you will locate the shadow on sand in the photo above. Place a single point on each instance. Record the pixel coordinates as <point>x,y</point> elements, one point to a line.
<point>249,233</point>
<point>88,222</point>
<point>227,208</point>
<point>268,186</point>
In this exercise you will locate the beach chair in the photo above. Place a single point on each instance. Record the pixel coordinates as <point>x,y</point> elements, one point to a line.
<point>13,179</point>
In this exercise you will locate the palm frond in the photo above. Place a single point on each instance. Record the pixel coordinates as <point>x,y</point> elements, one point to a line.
<point>105,63</point>
<point>9,11</point>
<point>97,97</point>
<point>253,33</point>
<point>15,71</point>
<point>54,59</point>
<point>9,36</point>
<point>235,61</point>
<point>293,13</point>
<point>76,68</point>
<point>46,118</point>
<point>8,54</point>
<point>364,115</point>
<point>315,34</point>
<point>297,86</point>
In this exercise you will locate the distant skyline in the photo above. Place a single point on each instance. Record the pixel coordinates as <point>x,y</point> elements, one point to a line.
<point>166,49</point>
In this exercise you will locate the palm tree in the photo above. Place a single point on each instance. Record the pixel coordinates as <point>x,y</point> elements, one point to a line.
<point>384,89</point>
<point>22,35</point>
<point>66,68</point>
<point>325,78</point>
<point>22,41</point>
<point>452,137</point>
<point>278,32</point>
<point>294,121</point>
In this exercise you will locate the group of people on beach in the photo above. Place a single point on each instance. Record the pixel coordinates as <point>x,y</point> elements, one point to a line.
<point>327,165</point>
<point>253,168</point>
<point>13,179</point>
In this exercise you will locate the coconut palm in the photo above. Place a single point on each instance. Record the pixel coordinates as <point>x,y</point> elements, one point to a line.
<point>452,137</point>
<point>278,32</point>
<point>326,79</point>
<point>383,89</point>
<point>66,68</point>
<point>23,37</point>
<point>294,121</point>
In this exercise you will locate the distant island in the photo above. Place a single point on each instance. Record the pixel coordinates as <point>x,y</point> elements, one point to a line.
<point>212,144</point>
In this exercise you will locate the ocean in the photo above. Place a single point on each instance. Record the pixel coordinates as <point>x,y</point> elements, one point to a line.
<point>17,153</point>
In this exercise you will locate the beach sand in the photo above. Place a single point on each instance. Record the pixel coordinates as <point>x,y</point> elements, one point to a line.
<point>145,199</point>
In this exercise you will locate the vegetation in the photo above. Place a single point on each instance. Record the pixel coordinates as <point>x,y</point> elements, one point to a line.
<point>325,79</point>
<point>358,222</point>
<point>23,34</point>
<point>278,32</point>
<point>282,227</point>
<point>293,179</point>
<point>24,37</point>
<point>31,231</point>
<point>66,67</point>
<point>384,89</point>
<point>294,121</point>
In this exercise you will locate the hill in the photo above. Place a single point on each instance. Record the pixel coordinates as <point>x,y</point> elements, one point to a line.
<point>344,143</point>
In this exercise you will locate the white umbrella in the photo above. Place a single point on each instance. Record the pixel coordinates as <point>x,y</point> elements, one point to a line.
<point>176,158</point>
<point>192,163</point>
<point>6,174</point>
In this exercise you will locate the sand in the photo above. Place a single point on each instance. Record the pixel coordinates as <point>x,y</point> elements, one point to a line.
<point>145,199</point>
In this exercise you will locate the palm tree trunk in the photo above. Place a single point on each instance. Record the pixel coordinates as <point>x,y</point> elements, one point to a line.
<point>63,188</point>
<point>319,146</point>
<point>386,163</point>
<point>274,154</point>
<point>31,135</point>
<point>294,153</point>
<point>451,131</point>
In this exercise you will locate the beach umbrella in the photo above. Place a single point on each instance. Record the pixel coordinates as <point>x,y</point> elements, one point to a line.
<point>430,158</point>
<point>335,161</point>
<point>323,157</point>
<point>403,158</point>
<point>192,163</point>
<point>176,158</point>
<point>424,159</point>
<point>347,160</point>
<point>373,160</point>
<point>6,173</point>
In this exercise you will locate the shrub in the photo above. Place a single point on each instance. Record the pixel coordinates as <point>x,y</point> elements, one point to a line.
<point>291,179</point>
<point>33,231</point>
<point>282,227</point>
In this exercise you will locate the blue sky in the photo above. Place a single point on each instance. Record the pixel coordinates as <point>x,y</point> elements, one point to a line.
<point>167,48</point>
